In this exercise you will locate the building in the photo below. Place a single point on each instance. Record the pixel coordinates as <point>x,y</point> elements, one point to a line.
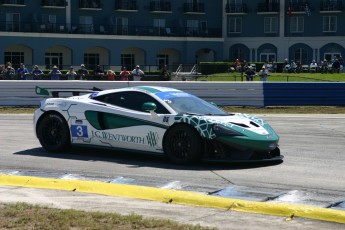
<point>115,33</point>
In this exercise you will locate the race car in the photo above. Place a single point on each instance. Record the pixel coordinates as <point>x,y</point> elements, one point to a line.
<point>151,119</point>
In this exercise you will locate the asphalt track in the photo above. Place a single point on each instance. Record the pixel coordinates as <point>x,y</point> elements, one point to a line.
<point>173,197</point>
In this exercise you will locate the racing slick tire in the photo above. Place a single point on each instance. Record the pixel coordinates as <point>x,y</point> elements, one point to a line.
<point>183,145</point>
<point>53,133</point>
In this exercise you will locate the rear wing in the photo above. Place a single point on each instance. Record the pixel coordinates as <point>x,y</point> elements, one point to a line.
<point>55,92</point>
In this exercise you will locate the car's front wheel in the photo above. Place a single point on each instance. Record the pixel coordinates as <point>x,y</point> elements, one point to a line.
<point>183,144</point>
<point>53,133</point>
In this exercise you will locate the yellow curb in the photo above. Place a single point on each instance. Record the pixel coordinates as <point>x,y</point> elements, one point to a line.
<point>176,197</point>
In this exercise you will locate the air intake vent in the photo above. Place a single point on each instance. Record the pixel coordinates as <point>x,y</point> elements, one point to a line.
<point>253,123</point>
<point>240,124</point>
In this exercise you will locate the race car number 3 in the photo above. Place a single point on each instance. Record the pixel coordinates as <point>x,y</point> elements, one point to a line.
<point>79,131</point>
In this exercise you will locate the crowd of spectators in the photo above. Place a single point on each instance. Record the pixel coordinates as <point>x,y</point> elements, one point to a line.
<point>7,72</point>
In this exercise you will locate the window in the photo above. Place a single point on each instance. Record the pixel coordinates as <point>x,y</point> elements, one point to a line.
<point>128,61</point>
<point>132,100</point>
<point>301,56</point>
<point>162,59</point>
<point>329,56</point>
<point>329,24</point>
<point>159,26</point>
<point>238,54</point>
<point>270,25</point>
<point>52,59</point>
<point>235,25</point>
<point>121,26</point>
<point>267,57</point>
<point>192,27</point>
<point>158,22</point>
<point>297,24</point>
<point>14,57</point>
<point>49,18</point>
<point>91,60</point>
<point>86,24</point>
<point>13,22</point>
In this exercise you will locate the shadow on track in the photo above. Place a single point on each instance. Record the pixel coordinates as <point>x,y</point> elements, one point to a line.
<point>137,160</point>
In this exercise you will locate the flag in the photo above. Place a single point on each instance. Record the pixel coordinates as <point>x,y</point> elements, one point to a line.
<point>307,10</point>
<point>289,12</point>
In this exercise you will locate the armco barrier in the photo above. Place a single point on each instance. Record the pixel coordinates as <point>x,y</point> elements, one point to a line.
<point>16,93</point>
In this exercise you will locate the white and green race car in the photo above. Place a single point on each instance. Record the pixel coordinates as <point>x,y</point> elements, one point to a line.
<point>154,120</point>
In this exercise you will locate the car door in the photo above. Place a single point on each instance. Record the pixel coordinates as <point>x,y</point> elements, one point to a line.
<point>128,125</point>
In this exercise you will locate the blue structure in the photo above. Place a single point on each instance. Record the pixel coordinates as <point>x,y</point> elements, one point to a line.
<point>116,33</point>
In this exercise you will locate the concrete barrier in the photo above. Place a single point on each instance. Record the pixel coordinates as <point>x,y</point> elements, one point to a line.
<point>16,93</point>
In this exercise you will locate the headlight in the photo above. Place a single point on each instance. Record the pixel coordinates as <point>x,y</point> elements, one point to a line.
<point>221,130</point>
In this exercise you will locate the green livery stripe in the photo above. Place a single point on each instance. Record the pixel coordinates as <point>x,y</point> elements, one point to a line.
<point>102,121</point>
<point>149,89</point>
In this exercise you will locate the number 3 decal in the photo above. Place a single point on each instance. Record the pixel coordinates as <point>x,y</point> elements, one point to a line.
<point>79,131</point>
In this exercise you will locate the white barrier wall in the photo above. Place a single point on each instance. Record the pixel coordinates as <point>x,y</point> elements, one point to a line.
<point>17,93</point>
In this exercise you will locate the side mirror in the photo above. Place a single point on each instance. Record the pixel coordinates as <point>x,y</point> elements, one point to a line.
<point>149,106</point>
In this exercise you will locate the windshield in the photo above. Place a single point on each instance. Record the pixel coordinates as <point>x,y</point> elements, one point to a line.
<point>183,102</point>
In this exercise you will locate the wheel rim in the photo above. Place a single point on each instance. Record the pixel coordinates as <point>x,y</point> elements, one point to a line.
<point>52,133</point>
<point>180,144</point>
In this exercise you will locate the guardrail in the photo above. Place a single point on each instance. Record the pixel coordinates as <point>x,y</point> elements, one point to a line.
<point>258,94</point>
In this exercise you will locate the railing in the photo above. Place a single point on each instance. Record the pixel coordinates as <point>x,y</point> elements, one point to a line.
<point>86,4</point>
<point>235,8</point>
<point>160,6</point>
<point>53,3</point>
<point>194,8</point>
<point>107,29</point>
<point>298,7</point>
<point>271,7</point>
<point>126,5</point>
<point>13,2</point>
<point>331,6</point>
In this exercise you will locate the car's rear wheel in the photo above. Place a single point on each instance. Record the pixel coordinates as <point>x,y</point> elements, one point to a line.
<point>53,133</point>
<point>183,144</point>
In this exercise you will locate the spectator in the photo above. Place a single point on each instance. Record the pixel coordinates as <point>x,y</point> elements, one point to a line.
<point>2,72</point>
<point>164,72</point>
<point>273,66</point>
<point>336,66</point>
<point>55,73</point>
<point>250,73</point>
<point>124,74</point>
<point>71,74</point>
<point>82,72</point>
<point>37,73</point>
<point>9,71</point>
<point>22,72</point>
<point>98,73</point>
<point>313,66</point>
<point>293,67</point>
<point>137,73</point>
<point>341,61</point>
<point>324,66</point>
<point>263,73</point>
<point>237,65</point>
<point>110,75</point>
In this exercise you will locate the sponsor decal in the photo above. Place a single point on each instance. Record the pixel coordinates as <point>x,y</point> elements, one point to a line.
<point>151,138</point>
<point>79,131</point>
<point>94,94</point>
<point>166,119</point>
<point>118,137</point>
